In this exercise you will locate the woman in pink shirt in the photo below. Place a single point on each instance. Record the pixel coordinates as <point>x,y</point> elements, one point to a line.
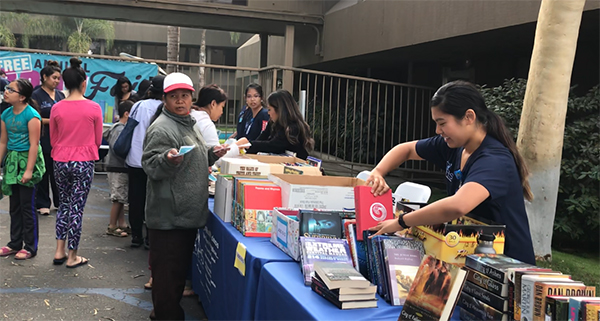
<point>75,135</point>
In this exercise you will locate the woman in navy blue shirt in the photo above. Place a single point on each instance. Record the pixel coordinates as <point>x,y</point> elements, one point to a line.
<point>485,174</point>
<point>254,119</point>
<point>46,96</point>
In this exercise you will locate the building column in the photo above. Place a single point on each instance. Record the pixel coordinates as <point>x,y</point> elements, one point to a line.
<point>264,50</point>
<point>288,60</point>
<point>139,49</point>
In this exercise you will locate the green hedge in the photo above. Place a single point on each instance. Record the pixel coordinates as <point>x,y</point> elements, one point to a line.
<point>577,221</point>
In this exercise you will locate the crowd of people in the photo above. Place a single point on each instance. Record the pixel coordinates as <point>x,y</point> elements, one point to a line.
<point>50,142</point>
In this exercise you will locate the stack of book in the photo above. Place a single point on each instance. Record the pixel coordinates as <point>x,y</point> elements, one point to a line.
<point>343,286</point>
<point>253,200</point>
<point>321,250</point>
<point>501,288</point>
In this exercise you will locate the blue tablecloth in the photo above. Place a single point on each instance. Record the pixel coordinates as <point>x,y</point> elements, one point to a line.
<point>226,294</point>
<point>282,295</point>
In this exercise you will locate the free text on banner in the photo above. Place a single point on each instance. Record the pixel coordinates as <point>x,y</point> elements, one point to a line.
<point>102,74</point>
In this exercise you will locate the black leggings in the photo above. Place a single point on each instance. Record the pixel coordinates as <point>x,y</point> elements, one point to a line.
<point>137,201</point>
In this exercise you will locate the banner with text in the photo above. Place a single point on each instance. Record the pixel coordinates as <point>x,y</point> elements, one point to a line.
<point>102,74</point>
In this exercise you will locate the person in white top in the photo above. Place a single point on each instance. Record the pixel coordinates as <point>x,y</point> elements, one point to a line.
<point>143,111</point>
<point>208,109</point>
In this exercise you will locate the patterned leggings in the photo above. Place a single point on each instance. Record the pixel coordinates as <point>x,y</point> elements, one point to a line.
<point>74,180</point>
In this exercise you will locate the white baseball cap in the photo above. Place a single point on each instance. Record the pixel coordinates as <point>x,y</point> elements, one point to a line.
<point>177,80</point>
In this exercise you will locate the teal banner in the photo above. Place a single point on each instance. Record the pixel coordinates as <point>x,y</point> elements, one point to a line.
<point>102,74</point>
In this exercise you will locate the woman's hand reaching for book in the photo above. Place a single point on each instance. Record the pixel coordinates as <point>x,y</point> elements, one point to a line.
<point>387,226</point>
<point>377,183</point>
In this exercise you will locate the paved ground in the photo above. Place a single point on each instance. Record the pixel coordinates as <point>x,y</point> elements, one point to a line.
<point>110,287</point>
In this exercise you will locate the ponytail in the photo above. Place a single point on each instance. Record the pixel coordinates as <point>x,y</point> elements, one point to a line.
<point>456,97</point>
<point>496,128</point>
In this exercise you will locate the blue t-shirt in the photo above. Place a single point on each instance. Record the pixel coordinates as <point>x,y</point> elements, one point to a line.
<point>493,167</point>
<point>16,127</point>
<point>46,103</point>
<point>251,127</point>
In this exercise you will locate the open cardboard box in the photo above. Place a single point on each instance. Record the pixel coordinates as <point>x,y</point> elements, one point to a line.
<point>277,166</point>
<point>317,192</point>
<point>285,234</point>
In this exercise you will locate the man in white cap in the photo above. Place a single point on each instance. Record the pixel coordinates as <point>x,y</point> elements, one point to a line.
<point>177,196</point>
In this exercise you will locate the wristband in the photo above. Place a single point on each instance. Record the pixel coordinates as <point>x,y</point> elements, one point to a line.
<point>401,221</point>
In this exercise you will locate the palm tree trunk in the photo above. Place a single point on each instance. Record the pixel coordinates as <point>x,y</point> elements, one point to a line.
<point>542,126</point>
<point>173,39</point>
<point>201,80</point>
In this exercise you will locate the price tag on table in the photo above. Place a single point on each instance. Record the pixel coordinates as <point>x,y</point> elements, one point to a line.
<point>240,258</point>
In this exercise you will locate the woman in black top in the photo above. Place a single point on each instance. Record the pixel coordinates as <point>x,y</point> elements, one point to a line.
<point>287,130</point>
<point>252,120</point>
<point>122,90</point>
<point>46,96</point>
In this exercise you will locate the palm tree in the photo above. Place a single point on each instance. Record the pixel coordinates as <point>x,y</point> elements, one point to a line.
<point>77,33</point>
<point>173,40</point>
<point>202,59</point>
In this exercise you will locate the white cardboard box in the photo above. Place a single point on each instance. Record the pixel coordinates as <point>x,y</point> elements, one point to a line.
<point>244,166</point>
<point>285,233</point>
<point>277,167</point>
<point>224,197</point>
<point>316,192</point>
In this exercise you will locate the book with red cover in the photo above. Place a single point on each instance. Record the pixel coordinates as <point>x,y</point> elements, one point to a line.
<point>371,209</point>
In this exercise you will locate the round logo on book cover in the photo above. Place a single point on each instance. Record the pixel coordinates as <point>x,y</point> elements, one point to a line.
<point>452,239</point>
<point>378,212</point>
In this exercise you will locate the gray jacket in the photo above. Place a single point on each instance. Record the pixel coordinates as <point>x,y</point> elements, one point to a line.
<point>177,195</point>
<point>114,163</point>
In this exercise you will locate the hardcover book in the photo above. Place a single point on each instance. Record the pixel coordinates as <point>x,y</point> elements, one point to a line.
<point>402,265</point>
<point>575,306</point>
<point>434,292</point>
<point>323,224</point>
<point>340,275</point>
<point>557,308</point>
<point>371,209</point>
<point>528,291</point>
<point>511,286</point>
<point>518,276</point>
<point>324,250</point>
<point>493,265</point>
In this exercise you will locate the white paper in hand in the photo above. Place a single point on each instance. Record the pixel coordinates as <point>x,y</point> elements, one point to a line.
<point>184,150</point>
<point>246,145</point>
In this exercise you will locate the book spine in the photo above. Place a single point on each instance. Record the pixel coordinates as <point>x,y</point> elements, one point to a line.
<point>527,299</point>
<point>574,306</point>
<point>487,297</point>
<point>485,269</point>
<point>481,310</point>
<point>325,295</point>
<point>511,301</point>
<point>487,283</point>
<point>466,315</point>
<point>562,310</point>
<point>541,291</point>
<point>549,309</point>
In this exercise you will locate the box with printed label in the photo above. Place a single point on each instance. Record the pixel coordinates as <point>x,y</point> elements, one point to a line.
<point>256,201</point>
<point>244,166</point>
<point>452,242</point>
<point>287,165</point>
<point>314,192</point>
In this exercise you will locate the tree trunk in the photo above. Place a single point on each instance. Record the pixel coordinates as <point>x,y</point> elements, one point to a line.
<point>201,80</point>
<point>542,124</point>
<point>173,38</point>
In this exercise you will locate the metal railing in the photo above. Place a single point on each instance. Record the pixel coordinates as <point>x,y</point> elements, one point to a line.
<point>354,120</point>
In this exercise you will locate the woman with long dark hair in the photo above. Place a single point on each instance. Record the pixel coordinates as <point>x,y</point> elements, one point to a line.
<point>75,135</point>
<point>122,90</point>
<point>485,174</point>
<point>287,130</point>
<point>46,96</point>
<point>24,167</point>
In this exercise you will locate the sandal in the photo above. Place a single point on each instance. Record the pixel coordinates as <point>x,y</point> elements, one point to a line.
<point>116,232</point>
<point>23,255</point>
<point>6,251</point>
<point>126,229</point>
<point>82,261</point>
<point>148,286</point>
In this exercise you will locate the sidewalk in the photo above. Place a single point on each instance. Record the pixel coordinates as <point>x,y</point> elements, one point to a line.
<point>110,287</point>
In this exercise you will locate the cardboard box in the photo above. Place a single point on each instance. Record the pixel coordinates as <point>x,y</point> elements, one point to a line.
<point>244,166</point>
<point>277,166</point>
<point>224,197</point>
<point>316,192</point>
<point>285,234</point>
<point>452,242</point>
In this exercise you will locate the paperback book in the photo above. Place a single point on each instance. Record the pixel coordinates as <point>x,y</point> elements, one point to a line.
<point>402,265</point>
<point>324,250</point>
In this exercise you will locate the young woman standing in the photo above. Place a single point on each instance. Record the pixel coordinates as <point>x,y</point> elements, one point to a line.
<point>24,167</point>
<point>46,96</point>
<point>75,135</point>
<point>253,120</point>
<point>485,174</point>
